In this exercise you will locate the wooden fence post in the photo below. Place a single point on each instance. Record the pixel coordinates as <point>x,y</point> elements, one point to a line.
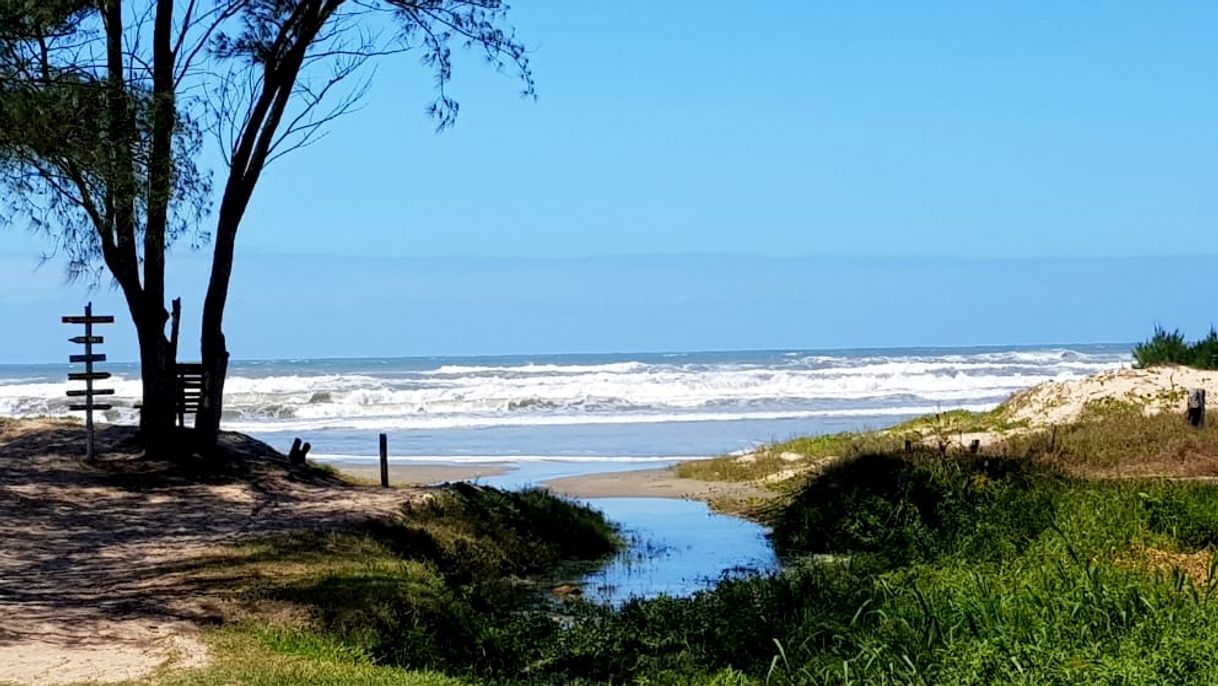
<point>384,461</point>
<point>1196,407</point>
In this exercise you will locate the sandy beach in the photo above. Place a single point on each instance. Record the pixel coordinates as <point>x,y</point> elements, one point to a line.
<point>100,567</point>
<point>651,483</point>
<point>419,474</point>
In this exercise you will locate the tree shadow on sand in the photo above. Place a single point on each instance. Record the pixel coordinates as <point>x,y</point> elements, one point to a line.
<point>122,539</point>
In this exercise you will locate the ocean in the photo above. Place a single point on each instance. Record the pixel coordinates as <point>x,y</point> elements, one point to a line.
<point>626,408</point>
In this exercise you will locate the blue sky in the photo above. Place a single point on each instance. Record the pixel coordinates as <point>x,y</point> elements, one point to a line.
<point>979,147</point>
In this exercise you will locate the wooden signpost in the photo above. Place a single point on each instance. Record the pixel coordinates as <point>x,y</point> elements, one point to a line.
<point>88,376</point>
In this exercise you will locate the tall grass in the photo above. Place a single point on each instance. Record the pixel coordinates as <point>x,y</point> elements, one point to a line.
<point>1166,347</point>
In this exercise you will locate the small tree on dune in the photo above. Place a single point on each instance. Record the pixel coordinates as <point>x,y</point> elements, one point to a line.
<point>105,106</point>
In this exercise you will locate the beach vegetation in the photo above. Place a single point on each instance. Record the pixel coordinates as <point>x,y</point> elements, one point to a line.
<point>1170,347</point>
<point>775,465</point>
<point>448,586</point>
<point>1117,438</point>
<point>901,569</point>
<point>955,422</point>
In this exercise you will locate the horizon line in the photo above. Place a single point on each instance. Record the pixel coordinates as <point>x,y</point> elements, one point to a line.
<point>994,347</point>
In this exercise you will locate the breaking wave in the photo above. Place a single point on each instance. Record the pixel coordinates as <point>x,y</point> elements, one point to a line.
<point>403,394</point>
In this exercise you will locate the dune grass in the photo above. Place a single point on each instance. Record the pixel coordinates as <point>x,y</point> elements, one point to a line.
<point>1111,438</point>
<point>773,465</point>
<point>954,422</point>
<point>786,457</point>
<point>1114,438</point>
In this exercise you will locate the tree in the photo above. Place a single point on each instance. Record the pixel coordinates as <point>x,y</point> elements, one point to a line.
<point>105,106</point>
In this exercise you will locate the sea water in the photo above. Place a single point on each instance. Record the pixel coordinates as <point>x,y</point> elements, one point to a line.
<point>624,407</point>
<point>563,415</point>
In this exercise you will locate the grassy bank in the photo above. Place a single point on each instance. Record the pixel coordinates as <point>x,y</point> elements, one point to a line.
<point>781,465</point>
<point>1111,438</point>
<point>438,596</point>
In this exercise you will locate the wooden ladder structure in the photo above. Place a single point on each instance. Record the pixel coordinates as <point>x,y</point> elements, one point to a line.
<point>189,391</point>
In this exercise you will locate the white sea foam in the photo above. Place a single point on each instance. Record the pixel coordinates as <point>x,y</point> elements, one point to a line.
<point>685,389</point>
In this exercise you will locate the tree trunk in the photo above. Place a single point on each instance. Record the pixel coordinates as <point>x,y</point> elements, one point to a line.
<point>213,346</point>
<point>215,369</point>
<point>157,379</point>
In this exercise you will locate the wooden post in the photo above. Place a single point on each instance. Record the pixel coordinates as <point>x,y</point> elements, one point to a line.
<point>384,461</point>
<point>89,381</point>
<point>1196,407</point>
<point>175,319</point>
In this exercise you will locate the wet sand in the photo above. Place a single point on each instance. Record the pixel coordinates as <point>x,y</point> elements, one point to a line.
<point>651,483</point>
<point>419,474</point>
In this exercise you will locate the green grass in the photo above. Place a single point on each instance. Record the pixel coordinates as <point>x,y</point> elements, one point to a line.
<point>770,460</point>
<point>955,422</point>
<point>446,588</point>
<point>764,463</point>
<point>254,656</point>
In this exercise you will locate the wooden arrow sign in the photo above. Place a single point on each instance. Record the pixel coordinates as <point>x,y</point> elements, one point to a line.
<point>82,408</point>
<point>96,357</point>
<point>80,393</point>
<point>94,319</point>
<point>87,340</point>
<point>88,376</point>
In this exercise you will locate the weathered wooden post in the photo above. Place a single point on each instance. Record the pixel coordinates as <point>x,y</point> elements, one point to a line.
<point>89,376</point>
<point>1196,407</point>
<point>384,461</point>
<point>299,452</point>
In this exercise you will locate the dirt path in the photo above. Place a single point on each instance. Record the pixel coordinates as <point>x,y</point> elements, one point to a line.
<point>95,579</point>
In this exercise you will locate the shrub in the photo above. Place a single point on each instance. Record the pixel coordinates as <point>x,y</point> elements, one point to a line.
<point>1171,348</point>
<point>914,508</point>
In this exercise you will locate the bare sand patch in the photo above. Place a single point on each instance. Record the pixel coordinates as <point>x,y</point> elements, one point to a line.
<point>652,483</point>
<point>414,474</point>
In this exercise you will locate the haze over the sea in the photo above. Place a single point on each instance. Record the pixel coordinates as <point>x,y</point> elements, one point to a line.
<point>312,306</point>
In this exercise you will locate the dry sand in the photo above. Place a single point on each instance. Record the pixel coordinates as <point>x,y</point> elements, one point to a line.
<point>651,483</point>
<point>98,566</point>
<point>1161,389</point>
<point>420,474</point>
